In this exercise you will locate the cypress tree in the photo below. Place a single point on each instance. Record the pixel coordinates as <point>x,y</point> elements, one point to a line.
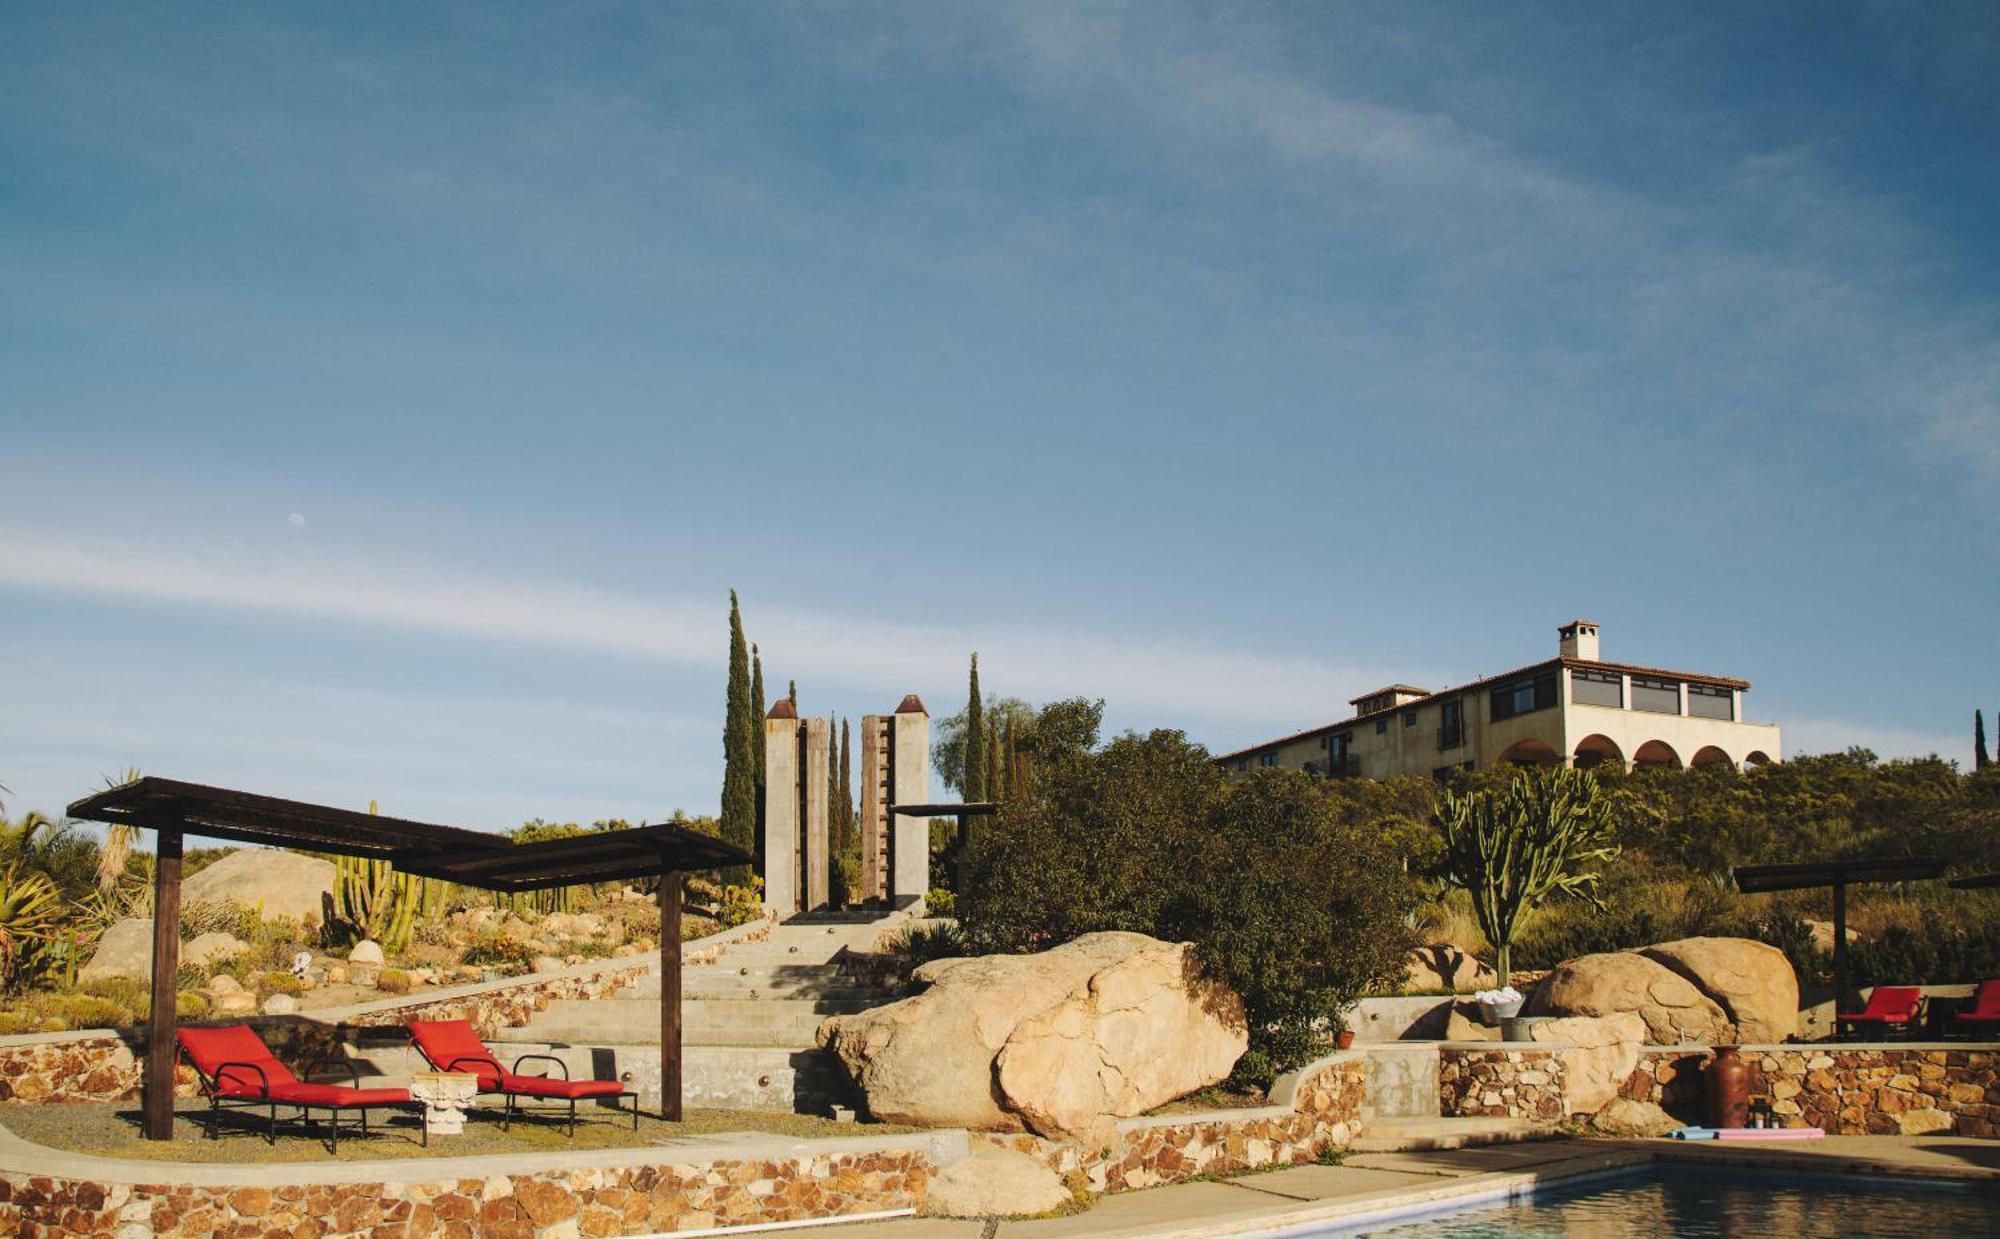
<point>972,783</point>
<point>757,710</point>
<point>846,800</point>
<point>739,771</point>
<point>1979,758</point>
<point>792,692</point>
<point>996,777</point>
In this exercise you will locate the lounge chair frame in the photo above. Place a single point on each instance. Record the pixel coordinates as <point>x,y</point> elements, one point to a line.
<point>501,1077</point>
<point>219,1101</point>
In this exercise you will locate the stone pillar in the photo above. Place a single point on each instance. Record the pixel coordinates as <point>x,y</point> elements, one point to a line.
<point>813,853</point>
<point>781,808</point>
<point>910,783</point>
<point>875,806</point>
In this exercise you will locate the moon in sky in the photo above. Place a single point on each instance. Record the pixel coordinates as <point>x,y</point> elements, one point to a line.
<point>297,520</point>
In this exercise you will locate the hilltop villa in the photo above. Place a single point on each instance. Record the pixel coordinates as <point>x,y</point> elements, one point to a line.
<point>1575,709</point>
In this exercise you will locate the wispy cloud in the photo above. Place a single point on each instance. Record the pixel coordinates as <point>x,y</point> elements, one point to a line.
<point>1163,675</point>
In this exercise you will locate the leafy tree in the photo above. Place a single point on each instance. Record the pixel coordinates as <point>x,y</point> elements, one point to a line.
<point>949,735</point>
<point>739,768</point>
<point>1514,848</point>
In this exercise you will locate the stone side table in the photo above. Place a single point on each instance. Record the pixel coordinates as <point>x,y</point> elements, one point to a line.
<point>445,1095</point>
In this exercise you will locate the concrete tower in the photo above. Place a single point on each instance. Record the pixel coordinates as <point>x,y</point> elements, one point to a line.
<point>895,770</point>
<point>795,834</point>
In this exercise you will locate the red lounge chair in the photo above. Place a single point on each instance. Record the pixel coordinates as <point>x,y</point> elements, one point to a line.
<point>1889,1007</point>
<point>451,1045</point>
<point>238,1070</point>
<point>1982,1018</point>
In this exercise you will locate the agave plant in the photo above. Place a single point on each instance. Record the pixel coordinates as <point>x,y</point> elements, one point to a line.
<point>30,911</point>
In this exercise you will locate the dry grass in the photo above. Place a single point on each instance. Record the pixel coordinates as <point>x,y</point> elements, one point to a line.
<point>113,1131</point>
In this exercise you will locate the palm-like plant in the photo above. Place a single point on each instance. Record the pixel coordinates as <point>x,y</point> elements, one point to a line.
<point>30,911</point>
<point>118,840</point>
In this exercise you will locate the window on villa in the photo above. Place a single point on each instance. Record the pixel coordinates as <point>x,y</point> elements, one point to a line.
<point>1524,696</point>
<point>1708,701</point>
<point>1242,764</point>
<point>1451,724</point>
<point>1267,759</point>
<point>1381,725</point>
<point>1596,688</point>
<point>1658,696</point>
<point>1409,718</point>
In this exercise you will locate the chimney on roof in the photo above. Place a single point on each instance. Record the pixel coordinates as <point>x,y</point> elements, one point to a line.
<point>1578,639</point>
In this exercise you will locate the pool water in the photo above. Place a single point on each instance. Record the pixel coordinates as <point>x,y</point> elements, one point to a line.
<point>1702,1203</point>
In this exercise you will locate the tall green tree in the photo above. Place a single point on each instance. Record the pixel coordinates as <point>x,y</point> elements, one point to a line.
<point>757,710</point>
<point>1979,758</point>
<point>739,761</point>
<point>972,783</point>
<point>1513,848</point>
<point>845,799</point>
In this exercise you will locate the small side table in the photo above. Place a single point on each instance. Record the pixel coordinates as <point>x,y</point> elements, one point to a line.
<point>445,1095</point>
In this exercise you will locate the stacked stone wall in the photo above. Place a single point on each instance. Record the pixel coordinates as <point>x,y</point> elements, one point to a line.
<point>100,1065</point>
<point>1325,1111</point>
<point>1516,1081</point>
<point>597,1202</point>
<point>1846,1089</point>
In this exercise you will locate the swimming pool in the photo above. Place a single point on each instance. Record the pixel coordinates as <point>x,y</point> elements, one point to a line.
<point>1705,1203</point>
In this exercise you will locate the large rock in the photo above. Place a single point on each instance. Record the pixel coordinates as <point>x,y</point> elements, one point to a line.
<point>1605,1052</point>
<point>1752,982</point>
<point>366,951</point>
<point>1107,1026</point>
<point>123,951</point>
<point>1623,1116</point>
<point>212,948</point>
<point>1444,967</point>
<point>1611,984</point>
<point>994,1183</point>
<point>275,883</point>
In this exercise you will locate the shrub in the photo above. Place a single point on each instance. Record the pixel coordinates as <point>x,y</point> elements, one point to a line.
<point>1292,900</point>
<point>942,902</point>
<point>492,950</point>
<point>394,981</point>
<point>191,1004</point>
<point>739,905</point>
<point>920,944</point>
<point>277,982</point>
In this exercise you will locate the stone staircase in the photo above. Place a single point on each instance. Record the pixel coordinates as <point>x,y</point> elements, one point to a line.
<point>1403,1108</point>
<point>747,1019</point>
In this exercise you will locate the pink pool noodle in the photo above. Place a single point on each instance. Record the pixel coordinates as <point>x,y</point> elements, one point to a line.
<point>1770,1133</point>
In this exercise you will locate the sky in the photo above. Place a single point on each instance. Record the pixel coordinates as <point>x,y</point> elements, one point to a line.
<point>390,396</point>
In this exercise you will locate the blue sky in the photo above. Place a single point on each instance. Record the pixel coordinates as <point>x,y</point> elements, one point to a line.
<point>1221,361</point>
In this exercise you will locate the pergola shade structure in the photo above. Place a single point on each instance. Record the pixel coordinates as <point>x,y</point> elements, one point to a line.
<point>174,809</point>
<point>1978,882</point>
<point>970,808</point>
<point>1839,875</point>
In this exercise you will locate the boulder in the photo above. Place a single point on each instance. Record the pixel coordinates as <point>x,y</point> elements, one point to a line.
<point>212,948</point>
<point>994,1183</point>
<point>1452,969</point>
<point>1610,984</point>
<point>236,1002</point>
<point>1625,1117</point>
<point>123,951</point>
<point>281,1004</point>
<point>222,983</point>
<point>1753,983</point>
<point>1463,1024</point>
<point>366,951</point>
<point>547,963</point>
<point>1605,1052</point>
<point>275,883</point>
<point>1107,1026</point>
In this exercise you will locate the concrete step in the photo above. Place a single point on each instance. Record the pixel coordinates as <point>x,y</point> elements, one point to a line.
<point>1402,1135</point>
<point>704,1021</point>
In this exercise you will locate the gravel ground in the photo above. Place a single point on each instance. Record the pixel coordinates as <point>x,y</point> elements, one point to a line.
<point>113,1131</point>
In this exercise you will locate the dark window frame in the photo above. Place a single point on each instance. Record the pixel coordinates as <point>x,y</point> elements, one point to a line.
<point>1505,701</point>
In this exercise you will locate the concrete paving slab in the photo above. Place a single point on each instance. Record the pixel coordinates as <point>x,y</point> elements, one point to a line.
<point>1328,1182</point>
<point>1130,1215</point>
<point>1457,1163</point>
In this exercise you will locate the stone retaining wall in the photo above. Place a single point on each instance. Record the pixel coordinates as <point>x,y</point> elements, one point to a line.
<point>1317,1108</point>
<point>1848,1089</point>
<point>591,1202</point>
<point>1502,1080</point>
<point>97,1065</point>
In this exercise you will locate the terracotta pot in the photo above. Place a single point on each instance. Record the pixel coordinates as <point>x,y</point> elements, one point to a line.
<point>1344,1039</point>
<point>1726,1089</point>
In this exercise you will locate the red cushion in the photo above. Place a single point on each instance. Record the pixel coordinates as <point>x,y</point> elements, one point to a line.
<point>451,1045</point>
<point>552,1086</point>
<point>211,1049</point>
<point>1986,1000</point>
<point>337,1095</point>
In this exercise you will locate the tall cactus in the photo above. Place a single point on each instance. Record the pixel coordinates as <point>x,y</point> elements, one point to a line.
<point>1515,847</point>
<point>377,901</point>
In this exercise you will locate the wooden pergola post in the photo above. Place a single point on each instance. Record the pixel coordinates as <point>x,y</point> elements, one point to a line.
<point>1839,949</point>
<point>670,992</point>
<point>158,1083</point>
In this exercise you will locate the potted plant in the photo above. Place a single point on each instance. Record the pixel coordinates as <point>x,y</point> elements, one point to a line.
<point>1496,1005</point>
